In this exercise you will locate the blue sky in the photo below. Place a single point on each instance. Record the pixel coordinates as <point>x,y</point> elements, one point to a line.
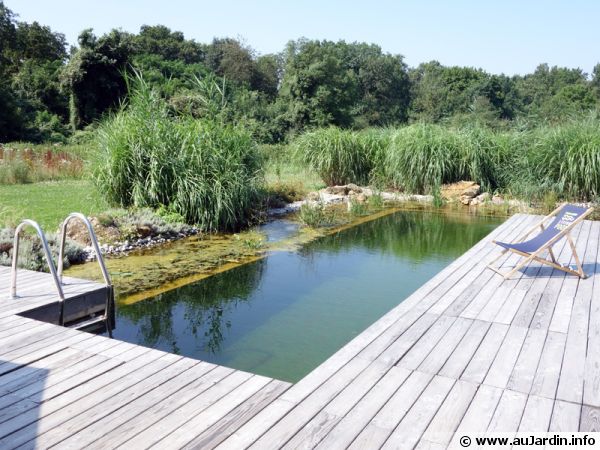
<point>507,36</point>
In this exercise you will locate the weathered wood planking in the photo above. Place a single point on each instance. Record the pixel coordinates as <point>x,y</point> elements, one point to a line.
<point>467,352</point>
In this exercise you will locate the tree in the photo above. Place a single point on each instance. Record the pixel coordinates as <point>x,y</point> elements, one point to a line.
<point>231,59</point>
<point>95,75</point>
<point>170,45</point>
<point>40,43</point>
<point>595,83</point>
<point>440,92</point>
<point>539,88</point>
<point>267,73</point>
<point>342,84</point>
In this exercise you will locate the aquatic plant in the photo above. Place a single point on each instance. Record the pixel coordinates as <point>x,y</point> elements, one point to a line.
<point>207,172</point>
<point>340,156</point>
<point>315,215</point>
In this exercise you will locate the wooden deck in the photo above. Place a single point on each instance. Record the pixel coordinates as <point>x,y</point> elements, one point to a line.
<point>468,351</point>
<point>37,297</point>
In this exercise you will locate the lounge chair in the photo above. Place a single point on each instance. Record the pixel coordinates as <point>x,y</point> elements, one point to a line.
<point>565,218</point>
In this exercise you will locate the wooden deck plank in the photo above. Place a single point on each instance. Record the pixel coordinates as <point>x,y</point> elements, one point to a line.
<point>571,381</point>
<point>591,388</point>
<point>481,410</point>
<point>565,417</point>
<point>441,352</point>
<point>122,431</point>
<point>526,365</point>
<point>413,425</point>
<point>590,419</point>
<point>537,414</point>
<point>389,416</point>
<point>509,411</point>
<point>346,430</point>
<point>504,363</point>
<point>448,417</point>
<point>316,429</point>
<point>466,348</point>
<point>483,358</point>
<point>136,400</point>
<point>180,416</point>
<point>547,374</point>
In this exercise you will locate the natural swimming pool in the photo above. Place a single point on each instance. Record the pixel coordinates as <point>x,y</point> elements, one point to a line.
<point>283,315</point>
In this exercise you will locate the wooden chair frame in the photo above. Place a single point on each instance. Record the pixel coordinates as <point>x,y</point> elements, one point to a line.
<point>536,256</point>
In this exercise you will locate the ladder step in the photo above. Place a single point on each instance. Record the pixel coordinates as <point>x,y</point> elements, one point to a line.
<point>92,323</point>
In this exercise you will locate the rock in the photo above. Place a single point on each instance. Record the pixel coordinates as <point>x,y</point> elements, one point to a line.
<point>144,230</point>
<point>475,201</point>
<point>485,197</point>
<point>453,191</point>
<point>361,198</point>
<point>471,191</point>
<point>497,200</point>
<point>465,199</point>
<point>468,194</point>
<point>337,190</point>
<point>352,188</point>
<point>313,196</point>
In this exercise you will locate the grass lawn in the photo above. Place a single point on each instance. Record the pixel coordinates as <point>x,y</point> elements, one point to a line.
<point>48,203</point>
<point>293,174</point>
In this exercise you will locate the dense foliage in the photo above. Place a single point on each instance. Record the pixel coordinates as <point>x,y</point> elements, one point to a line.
<point>207,172</point>
<point>48,93</point>
<point>418,158</point>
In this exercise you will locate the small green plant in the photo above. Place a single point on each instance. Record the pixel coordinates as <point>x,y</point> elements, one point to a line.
<point>357,208</point>
<point>375,201</point>
<point>169,215</point>
<point>315,215</point>
<point>250,242</point>
<point>438,200</point>
<point>549,201</point>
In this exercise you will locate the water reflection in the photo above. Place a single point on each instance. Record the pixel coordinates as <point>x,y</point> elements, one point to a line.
<point>283,315</point>
<point>205,308</point>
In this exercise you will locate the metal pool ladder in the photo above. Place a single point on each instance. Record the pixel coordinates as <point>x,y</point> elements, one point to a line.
<point>106,318</point>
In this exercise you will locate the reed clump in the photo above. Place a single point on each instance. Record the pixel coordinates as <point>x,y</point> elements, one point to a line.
<point>205,171</point>
<point>418,158</point>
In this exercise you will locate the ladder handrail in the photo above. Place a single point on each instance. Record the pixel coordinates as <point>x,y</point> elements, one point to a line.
<point>47,253</point>
<point>95,245</point>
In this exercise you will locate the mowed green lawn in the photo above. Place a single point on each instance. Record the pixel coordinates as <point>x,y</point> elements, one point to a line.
<point>48,203</point>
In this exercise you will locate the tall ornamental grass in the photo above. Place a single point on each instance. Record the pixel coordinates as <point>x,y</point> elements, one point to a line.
<point>421,157</point>
<point>207,172</point>
<point>340,156</point>
<point>562,160</point>
<point>566,158</point>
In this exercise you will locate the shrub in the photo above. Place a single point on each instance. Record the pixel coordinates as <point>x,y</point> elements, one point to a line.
<point>315,215</point>
<point>340,156</point>
<point>207,172</point>
<point>420,157</point>
<point>31,254</point>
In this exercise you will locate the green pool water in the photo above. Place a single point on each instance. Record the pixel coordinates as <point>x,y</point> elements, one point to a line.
<point>283,315</point>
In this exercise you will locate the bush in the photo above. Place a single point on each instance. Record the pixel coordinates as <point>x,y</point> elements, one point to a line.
<point>567,158</point>
<point>420,157</point>
<point>340,156</point>
<point>316,215</point>
<point>31,254</point>
<point>207,172</point>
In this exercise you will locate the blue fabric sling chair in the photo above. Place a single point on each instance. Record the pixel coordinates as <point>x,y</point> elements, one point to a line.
<point>565,218</point>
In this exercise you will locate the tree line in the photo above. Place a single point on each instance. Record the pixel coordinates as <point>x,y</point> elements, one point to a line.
<point>50,92</point>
